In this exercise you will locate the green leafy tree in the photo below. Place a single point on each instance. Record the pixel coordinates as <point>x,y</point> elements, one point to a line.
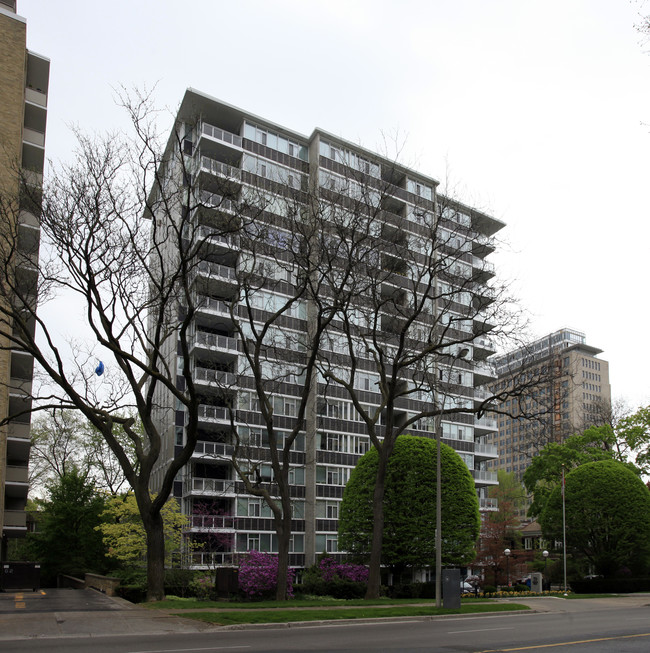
<point>124,535</point>
<point>607,517</point>
<point>410,506</point>
<point>545,471</point>
<point>634,431</point>
<point>67,541</point>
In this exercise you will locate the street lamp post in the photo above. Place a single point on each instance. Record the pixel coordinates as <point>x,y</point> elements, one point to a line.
<point>507,554</point>
<point>545,554</point>
<point>438,426</point>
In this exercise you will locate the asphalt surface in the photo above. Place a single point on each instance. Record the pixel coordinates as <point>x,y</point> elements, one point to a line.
<point>69,612</point>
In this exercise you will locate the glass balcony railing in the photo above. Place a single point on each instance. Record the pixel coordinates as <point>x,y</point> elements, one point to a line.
<point>214,376</point>
<point>486,450</point>
<point>211,234</point>
<point>217,201</point>
<point>212,485</point>
<point>216,341</point>
<point>221,135</point>
<point>212,305</point>
<point>213,413</point>
<point>486,477</point>
<point>218,168</point>
<point>486,503</point>
<point>217,270</point>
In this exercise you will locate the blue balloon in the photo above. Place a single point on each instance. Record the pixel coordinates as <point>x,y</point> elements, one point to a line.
<point>99,370</point>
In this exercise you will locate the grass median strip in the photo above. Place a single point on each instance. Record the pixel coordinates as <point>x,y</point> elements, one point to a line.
<point>259,616</point>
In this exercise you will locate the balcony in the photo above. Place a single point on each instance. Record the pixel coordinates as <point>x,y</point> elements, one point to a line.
<point>211,449</point>
<point>486,451</point>
<point>214,414</point>
<point>214,236</point>
<point>487,504</point>
<point>215,342</point>
<point>212,306</point>
<point>214,200</point>
<point>34,137</point>
<point>485,478</point>
<point>211,522</point>
<point>208,486</point>
<point>219,169</point>
<point>221,135</point>
<point>36,96</point>
<point>216,271</point>
<point>214,377</point>
<point>207,560</point>
<point>485,424</point>
<point>483,373</point>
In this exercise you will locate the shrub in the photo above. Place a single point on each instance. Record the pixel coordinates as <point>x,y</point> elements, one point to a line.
<point>202,586</point>
<point>258,575</point>
<point>341,580</point>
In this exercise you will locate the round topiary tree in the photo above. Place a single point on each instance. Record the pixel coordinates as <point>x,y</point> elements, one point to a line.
<point>410,506</point>
<point>607,517</point>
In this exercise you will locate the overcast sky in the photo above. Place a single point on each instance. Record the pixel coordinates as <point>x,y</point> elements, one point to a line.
<point>537,111</point>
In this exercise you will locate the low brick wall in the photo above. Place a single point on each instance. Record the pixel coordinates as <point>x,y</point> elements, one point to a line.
<point>104,584</point>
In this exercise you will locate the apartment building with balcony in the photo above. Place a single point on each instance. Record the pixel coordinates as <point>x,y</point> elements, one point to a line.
<point>24,78</point>
<point>235,158</point>
<point>573,394</point>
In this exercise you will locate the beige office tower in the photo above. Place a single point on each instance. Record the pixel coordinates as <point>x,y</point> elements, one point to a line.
<point>24,78</point>
<point>571,392</point>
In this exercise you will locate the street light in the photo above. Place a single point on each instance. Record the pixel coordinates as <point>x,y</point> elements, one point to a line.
<point>507,554</point>
<point>545,554</point>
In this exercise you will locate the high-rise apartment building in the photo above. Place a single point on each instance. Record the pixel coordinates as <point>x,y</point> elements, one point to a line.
<point>572,394</point>
<point>236,161</point>
<point>24,77</point>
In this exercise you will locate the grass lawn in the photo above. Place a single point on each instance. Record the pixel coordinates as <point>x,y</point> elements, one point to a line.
<point>224,614</point>
<point>176,603</point>
<point>284,616</point>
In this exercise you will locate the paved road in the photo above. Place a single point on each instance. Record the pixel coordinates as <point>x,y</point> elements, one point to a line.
<point>557,626</point>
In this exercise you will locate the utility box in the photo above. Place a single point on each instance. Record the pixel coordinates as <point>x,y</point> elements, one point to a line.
<point>451,589</point>
<point>536,583</point>
<point>20,576</point>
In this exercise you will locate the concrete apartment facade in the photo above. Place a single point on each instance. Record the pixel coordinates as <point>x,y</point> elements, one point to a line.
<point>227,148</point>
<point>573,392</point>
<point>24,78</point>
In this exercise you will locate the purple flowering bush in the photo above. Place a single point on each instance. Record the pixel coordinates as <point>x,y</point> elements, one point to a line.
<point>342,580</point>
<point>258,575</point>
<point>331,569</point>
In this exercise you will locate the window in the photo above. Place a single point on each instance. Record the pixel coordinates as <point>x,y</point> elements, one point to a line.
<point>332,510</point>
<point>254,507</point>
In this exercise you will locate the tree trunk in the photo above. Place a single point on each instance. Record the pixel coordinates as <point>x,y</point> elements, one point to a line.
<point>153,525</point>
<point>374,574</point>
<point>283,532</point>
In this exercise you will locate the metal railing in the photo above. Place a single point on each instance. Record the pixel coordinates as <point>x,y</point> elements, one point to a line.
<point>216,341</point>
<point>217,270</point>
<point>211,486</point>
<point>218,168</point>
<point>221,135</point>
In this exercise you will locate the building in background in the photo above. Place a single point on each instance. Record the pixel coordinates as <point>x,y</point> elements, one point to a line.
<point>230,152</point>
<point>24,78</point>
<point>574,393</point>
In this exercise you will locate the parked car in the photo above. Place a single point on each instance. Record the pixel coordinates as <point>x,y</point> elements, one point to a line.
<point>466,588</point>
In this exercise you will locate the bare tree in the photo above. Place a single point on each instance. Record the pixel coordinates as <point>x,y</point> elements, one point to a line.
<point>413,319</point>
<point>104,244</point>
<point>62,440</point>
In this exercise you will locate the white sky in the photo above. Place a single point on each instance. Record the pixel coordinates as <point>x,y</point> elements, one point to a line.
<point>534,109</point>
